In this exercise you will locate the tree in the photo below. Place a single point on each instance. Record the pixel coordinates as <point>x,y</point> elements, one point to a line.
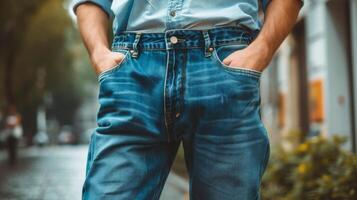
<point>14,17</point>
<point>38,61</point>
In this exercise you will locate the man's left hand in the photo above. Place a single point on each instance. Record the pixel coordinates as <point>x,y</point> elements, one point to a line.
<point>255,57</point>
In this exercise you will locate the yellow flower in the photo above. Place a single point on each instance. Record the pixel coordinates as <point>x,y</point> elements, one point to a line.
<point>326,178</point>
<point>303,147</point>
<point>302,168</point>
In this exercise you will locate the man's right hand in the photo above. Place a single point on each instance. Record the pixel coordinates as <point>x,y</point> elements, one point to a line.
<point>103,60</point>
<point>93,26</point>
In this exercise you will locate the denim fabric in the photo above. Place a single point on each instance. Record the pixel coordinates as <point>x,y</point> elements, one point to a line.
<point>172,87</point>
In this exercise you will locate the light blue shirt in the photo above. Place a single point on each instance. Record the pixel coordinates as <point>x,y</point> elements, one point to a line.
<point>161,15</point>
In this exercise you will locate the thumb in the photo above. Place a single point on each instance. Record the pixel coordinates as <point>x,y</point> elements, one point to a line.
<point>117,56</point>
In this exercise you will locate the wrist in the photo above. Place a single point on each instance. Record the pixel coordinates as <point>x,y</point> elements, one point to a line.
<point>99,50</point>
<point>98,53</point>
<point>262,52</point>
<point>264,49</point>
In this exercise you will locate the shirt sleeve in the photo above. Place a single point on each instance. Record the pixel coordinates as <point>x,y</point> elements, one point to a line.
<point>265,3</point>
<point>105,5</point>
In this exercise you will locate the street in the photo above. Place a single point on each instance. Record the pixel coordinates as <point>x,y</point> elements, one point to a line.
<point>57,172</point>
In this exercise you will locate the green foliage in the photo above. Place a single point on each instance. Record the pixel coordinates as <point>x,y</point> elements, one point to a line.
<point>43,51</point>
<point>41,58</point>
<point>14,18</point>
<point>46,64</point>
<point>318,169</point>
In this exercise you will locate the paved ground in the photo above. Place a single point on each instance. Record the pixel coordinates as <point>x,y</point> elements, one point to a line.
<point>176,188</point>
<point>53,173</point>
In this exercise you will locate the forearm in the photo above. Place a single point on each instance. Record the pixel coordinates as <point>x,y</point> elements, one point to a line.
<point>280,18</point>
<point>93,25</point>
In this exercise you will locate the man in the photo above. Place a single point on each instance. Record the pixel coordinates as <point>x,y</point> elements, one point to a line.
<point>180,70</point>
<point>13,132</point>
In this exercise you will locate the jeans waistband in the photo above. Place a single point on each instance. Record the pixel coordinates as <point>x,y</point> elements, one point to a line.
<point>183,38</point>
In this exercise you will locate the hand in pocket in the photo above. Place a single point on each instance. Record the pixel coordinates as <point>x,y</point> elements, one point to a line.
<point>252,57</point>
<point>103,61</point>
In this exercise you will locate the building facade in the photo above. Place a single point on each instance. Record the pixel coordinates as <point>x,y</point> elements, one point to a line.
<point>311,85</point>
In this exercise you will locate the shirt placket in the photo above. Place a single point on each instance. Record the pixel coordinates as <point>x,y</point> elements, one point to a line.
<point>172,16</point>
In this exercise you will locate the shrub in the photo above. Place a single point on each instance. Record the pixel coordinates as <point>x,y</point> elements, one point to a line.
<point>318,169</point>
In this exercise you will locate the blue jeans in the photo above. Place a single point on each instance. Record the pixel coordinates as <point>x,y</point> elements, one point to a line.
<point>172,87</point>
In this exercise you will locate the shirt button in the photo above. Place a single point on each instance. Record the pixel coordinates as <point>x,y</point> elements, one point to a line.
<point>173,39</point>
<point>173,13</point>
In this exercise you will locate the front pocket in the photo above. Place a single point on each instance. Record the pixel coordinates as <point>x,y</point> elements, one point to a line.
<point>221,52</point>
<point>115,67</point>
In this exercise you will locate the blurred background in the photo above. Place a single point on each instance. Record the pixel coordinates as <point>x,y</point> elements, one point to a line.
<point>48,105</point>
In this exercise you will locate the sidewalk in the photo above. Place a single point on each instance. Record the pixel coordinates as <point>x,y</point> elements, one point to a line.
<point>57,172</point>
<point>175,188</point>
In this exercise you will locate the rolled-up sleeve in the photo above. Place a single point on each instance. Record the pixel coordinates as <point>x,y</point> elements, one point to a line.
<point>105,5</point>
<point>265,3</point>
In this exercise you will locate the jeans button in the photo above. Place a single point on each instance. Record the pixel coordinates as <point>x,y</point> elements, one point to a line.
<point>173,39</point>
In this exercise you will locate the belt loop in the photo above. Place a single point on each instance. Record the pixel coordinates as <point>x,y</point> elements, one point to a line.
<point>135,52</point>
<point>208,45</point>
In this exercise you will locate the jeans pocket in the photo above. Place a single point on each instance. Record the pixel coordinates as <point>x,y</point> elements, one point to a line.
<point>222,51</point>
<point>111,70</point>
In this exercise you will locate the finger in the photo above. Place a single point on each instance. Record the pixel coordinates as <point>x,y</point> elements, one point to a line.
<point>227,61</point>
<point>117,56</point>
